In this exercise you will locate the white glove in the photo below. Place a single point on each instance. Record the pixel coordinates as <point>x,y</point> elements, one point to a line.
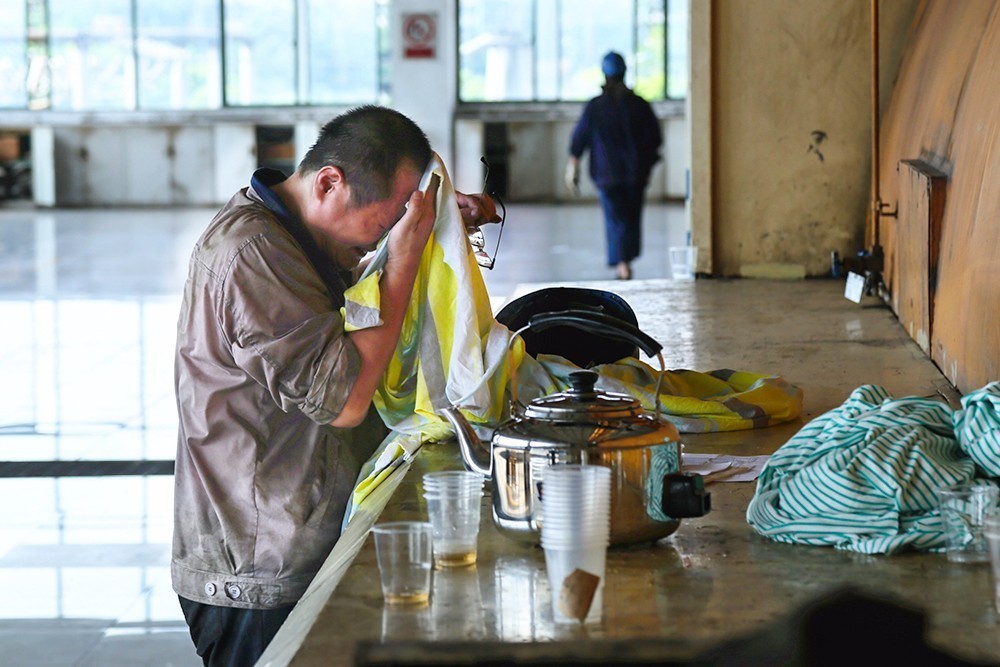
<point>573,176</point>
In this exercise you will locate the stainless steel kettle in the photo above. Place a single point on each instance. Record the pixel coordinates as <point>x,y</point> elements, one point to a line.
<point>584,425</point>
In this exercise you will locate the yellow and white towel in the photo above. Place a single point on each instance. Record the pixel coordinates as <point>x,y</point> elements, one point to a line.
<point>451,350</point>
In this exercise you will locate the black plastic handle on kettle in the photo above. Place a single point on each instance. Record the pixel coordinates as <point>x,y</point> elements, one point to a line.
<point>598,324</point>
<point>684,496</point>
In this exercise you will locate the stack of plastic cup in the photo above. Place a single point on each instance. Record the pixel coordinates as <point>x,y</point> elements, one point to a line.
<point>576,531</point>
<point>454,502</point>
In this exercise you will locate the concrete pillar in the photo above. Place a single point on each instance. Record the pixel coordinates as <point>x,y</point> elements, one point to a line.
<point>424,60</point>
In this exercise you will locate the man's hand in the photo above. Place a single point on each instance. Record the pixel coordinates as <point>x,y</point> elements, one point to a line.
<point>476,210</point>
<point>376,345</point>
<point>573,175</point>
<point>409,236</point>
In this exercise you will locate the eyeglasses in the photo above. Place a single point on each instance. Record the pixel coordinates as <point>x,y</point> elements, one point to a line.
<point>476,237</point>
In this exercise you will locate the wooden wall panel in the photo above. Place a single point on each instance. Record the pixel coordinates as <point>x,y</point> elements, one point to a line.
<point>921,207</point>
<point>966,339</point>
<point>944,111</point>
<point>918,120</point>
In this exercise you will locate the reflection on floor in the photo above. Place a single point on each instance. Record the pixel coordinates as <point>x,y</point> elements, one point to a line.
<point>89,302</point>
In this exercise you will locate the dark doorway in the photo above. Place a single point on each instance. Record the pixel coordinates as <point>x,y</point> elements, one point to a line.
<point>496,148</point>
<point>15,165</point>
<point>276,147</point>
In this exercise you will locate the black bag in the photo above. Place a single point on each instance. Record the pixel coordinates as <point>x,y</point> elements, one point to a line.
<point>580,347</point>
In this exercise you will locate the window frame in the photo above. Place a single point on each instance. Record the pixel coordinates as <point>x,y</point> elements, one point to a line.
<point>665,101</point>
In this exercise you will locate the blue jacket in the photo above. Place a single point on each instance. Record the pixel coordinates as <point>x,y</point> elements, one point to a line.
<point>623,136</point>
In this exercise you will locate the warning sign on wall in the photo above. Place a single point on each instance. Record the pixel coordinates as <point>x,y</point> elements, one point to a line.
<point>420,35</point>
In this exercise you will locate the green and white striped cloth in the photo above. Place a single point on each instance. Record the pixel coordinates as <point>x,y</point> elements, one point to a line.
<point>863,476</point>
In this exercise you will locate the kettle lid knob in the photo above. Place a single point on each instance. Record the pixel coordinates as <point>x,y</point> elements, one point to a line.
<point>582,385</point>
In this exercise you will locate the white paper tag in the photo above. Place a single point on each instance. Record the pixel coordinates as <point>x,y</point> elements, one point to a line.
<point>855,286</point>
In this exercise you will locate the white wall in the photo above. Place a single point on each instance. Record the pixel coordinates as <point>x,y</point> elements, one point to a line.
<point>234,157</point>
<point>106,165</point>
<point>43,166</point>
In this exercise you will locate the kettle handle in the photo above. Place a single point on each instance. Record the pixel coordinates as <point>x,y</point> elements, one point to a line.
<point>600,324</point>
<point>684,496</point>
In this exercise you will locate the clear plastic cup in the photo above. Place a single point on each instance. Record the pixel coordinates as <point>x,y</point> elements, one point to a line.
<point>403,549</point>
<point>453,479</point>
<point>963,508</point>
<point>454,505</point>
<point>575,532</point>
<point>572,539</point>
<point>454,518</point>
<point>576,503</point>
<point>568,536</point>
<point>683,260</point>
<point>991,531</point>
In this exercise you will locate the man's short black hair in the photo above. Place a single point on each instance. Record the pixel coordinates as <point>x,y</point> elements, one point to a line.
<point>369,144</point>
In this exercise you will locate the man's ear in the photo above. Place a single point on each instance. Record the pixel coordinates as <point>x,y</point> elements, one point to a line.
<point>327,180</point>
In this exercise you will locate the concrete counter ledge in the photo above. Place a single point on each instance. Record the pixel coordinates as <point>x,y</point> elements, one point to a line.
<point>711,584</point>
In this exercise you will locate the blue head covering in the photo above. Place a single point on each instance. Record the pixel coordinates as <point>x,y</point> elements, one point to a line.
<point>613,65</point>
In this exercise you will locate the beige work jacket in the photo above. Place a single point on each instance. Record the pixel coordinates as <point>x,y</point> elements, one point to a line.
<point>262,366</point>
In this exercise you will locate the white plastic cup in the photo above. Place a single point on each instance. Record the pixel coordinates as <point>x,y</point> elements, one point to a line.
<point>576,504</point>
<point>576,482</point>
<point>575,530</point>
<point>403,549</point>
<point>568,603</point>
<point>963,508</point>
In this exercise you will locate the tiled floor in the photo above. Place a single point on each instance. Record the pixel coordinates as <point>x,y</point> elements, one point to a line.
<point>88,302</point>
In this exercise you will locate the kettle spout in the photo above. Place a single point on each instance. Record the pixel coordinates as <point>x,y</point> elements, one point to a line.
<point>475,454</point>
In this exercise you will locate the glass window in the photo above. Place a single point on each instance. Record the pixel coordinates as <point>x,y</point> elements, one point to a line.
<point>342,52</point>
<point>192,54</point>
<point>649,69</point>
<point>13,53</point>
<point>496,50</point>
<point>547,50</point>
<point>179,54</point>
<point>590,30</point>
<point>260,52</point>
<point>38,79</point>
<point>518,50</point>
<point>677,48</point>
<point>91,54</point>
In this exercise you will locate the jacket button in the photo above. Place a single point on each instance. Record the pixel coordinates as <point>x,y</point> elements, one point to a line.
<point>233,591</point>
<point>210,588</point>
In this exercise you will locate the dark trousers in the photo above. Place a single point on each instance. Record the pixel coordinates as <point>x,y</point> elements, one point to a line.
<point>230,637</point>
<point>622,206</point>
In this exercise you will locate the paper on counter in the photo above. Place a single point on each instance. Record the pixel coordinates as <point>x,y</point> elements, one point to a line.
<point>724,467</point>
